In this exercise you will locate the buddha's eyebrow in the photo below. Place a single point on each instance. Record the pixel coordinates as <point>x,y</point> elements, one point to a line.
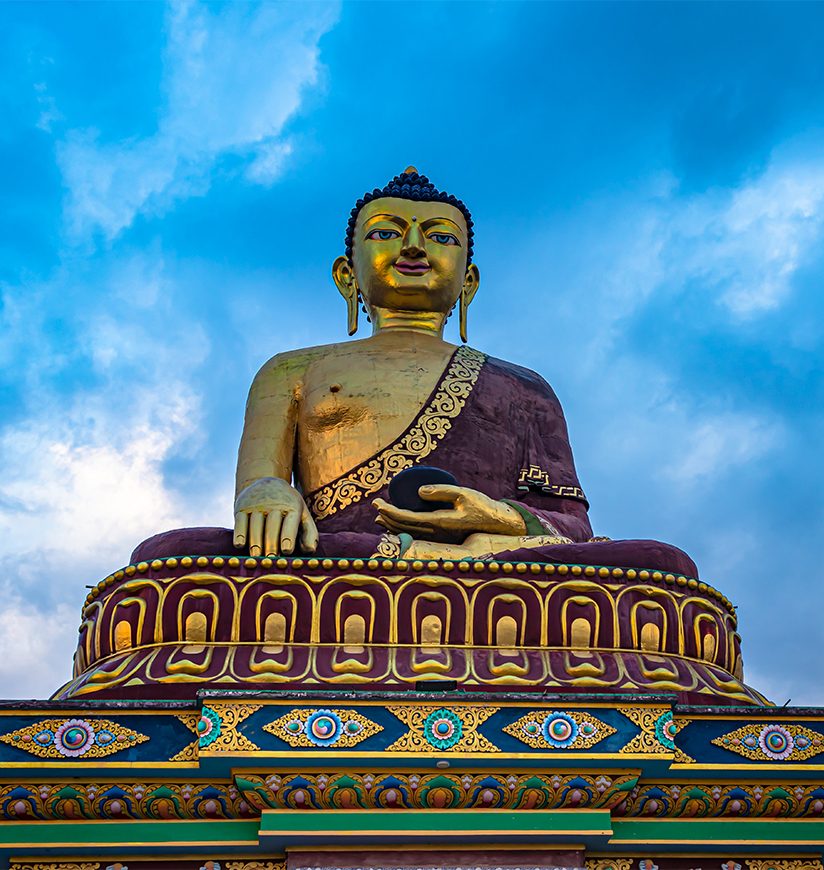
<point>392,217</point>
<point>402,222</point>
<point>440,220</point>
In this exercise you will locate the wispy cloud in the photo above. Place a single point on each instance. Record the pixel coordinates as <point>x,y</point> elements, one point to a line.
<point>749,242</point>
<point>234,75</point>
<point>716,445</point>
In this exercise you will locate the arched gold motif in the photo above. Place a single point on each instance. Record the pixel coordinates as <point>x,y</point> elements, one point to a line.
<point>275,630</point>
<point>650,637</point>
<point>342,621</point>
<point>124,611</point>
<point>567,627</point>
<point>431,595</point>
<point>195,629</point>
<point>431,631</point>
<point>354,634</point>
<point>492,623</point>
<point>123,635</point>
<point>506,634</point>
<point>581,632</point>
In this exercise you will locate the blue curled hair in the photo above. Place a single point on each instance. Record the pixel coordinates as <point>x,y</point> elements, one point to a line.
<point>411,185</point>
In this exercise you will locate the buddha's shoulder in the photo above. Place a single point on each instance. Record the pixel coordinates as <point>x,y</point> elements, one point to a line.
<point>526,378</point>
<point>293,363</point>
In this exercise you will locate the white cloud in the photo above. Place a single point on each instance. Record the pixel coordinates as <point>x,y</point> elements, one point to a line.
<point>48,108</point>
<point>83,470</point>
<point>36,647</point>
<point>715,444</point>
<point>78,493</point>
<point>750,242</point>
<point>234,75</point>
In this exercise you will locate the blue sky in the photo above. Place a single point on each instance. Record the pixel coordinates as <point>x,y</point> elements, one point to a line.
<point>647,183</point>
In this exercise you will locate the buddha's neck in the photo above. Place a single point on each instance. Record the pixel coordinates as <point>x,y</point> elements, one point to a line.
<point>427,322</point>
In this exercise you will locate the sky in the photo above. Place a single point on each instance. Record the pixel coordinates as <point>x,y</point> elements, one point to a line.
<point>647,185</point>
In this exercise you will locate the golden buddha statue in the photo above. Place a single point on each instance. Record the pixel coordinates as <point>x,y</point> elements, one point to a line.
<point>327,428</point>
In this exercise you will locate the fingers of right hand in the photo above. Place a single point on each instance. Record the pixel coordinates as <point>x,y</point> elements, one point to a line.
<point>241,528</point>
<point>289,531</point>
<point>257,522</point>
<point>308,531</point>
<point>271,540</point>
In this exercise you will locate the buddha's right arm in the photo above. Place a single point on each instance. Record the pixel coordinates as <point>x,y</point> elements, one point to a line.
<point>270,514</point>
<point>267,445</point>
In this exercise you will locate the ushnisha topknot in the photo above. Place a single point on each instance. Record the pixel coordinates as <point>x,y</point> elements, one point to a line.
<point>410,184</point>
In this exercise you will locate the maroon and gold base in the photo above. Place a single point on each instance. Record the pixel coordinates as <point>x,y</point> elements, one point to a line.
<point>172,626</point>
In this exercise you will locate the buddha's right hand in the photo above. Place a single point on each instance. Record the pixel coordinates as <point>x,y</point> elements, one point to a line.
<point>269,516</point>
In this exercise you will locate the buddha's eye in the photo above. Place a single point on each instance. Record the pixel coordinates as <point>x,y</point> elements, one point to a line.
<point>383,235</point>
<point>443,238</point>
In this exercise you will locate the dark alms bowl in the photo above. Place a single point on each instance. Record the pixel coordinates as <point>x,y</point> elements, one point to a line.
<point>403,488</point>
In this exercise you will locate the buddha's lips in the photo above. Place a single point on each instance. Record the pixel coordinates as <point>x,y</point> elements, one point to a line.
<point>407,267</point>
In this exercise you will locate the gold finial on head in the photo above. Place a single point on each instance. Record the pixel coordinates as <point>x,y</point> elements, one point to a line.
<point>410,170</point>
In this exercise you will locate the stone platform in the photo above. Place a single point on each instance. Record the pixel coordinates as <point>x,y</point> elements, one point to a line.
<point>168,627</point>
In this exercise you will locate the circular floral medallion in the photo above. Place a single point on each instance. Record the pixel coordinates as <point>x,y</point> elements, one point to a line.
<point>74,737</point>
<point>208,727</point>
<point>442,728</point>
<point>560,730</point>
<point>775,742</point>
<point>666,729</point>
<point>323,728</point>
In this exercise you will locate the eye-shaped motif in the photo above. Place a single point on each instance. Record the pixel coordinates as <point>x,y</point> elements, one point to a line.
<point>383,235</point>
<point>443,238</point>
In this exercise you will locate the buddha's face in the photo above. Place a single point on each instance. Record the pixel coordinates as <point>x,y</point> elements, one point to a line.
<point>411,256</point>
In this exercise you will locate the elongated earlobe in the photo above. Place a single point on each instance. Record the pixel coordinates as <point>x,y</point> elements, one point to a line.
<point>470,286</point>
<point>344,278</point>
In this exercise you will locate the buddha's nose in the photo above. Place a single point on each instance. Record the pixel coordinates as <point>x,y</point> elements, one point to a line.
<point>413,242</point>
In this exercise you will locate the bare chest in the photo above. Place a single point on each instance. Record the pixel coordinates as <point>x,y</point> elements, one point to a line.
<point>356,402</point>
<point>358,388</point>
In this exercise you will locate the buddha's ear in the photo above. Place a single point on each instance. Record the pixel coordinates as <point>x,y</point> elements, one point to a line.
<point>344,277</point>
<point>469,288</point>
<point>471,282</point>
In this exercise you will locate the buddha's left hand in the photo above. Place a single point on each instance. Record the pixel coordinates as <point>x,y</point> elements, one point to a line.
<point>471,511</point>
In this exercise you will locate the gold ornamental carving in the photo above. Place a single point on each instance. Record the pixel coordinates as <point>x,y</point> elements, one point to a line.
<point>658,731</point>
<point>429,428</point>
<point>227,737</point>
<point>798,864</point>
<point>608,864</point>
<point>72,738</point>
<point>772,741</point>
<point>448,729</point>
<point>83,866</point>
<point>190,750</point>
<point>256,865</point>
<point>553,729</point>
<point>316,728</point>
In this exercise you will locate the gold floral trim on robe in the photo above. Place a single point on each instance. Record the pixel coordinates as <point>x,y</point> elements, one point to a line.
<point>419,440</point>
